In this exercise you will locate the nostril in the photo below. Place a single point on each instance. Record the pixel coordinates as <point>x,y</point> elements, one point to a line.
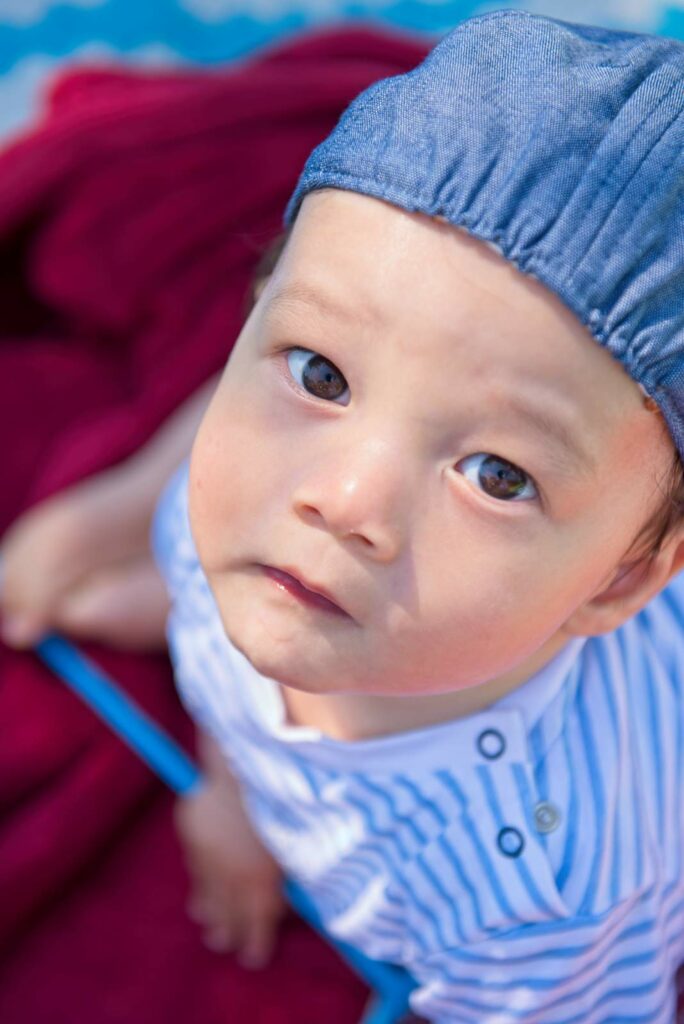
<point>368,543</point>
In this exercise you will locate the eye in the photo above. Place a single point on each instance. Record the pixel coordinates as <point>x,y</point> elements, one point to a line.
<point>497,477</point>
<point>319,377</point>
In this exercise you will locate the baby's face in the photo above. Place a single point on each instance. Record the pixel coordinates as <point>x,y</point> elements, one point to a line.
<point>430,436</point>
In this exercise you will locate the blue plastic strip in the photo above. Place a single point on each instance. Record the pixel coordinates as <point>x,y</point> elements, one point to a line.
<point>125,718</point>
<point>391,984</point>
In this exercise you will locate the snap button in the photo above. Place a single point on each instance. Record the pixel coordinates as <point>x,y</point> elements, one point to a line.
<point>546,816</point>
<point>510,841</point>
<point>491,744</point>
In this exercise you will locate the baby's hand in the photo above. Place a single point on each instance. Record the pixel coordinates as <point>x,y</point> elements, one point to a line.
<point>236,885</point>
<point>80,563</point>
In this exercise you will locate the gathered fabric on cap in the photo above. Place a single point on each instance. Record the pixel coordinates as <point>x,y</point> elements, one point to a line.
<point>561,144</point>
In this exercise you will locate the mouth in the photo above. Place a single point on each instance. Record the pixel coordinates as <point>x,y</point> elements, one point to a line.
<point>307,593</point>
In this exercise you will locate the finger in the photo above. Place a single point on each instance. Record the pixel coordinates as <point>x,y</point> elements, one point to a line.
<point>220,930</point>
<point>221,914</point>
<point>257,948</point>
<point>259,933</point>
<point>40,558</point>
<point>197,908</point>
<point>24,604</point>
<point>22,630</point>
<point>219,939</point>
<point>17,628</point>
<point>206,903</point>
<point>224,926</point>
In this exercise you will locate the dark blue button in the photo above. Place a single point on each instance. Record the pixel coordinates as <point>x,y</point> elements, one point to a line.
<point>491,744</point>
<point>510,841</point>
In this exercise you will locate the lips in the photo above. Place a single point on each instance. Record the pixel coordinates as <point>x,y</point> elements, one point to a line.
<point>310,593</point>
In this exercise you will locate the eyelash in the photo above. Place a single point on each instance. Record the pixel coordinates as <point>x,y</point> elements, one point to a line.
<point>467,461</point>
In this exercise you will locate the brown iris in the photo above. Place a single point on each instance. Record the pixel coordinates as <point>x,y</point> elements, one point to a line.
<point>322,378</point>
<point>501,479</point>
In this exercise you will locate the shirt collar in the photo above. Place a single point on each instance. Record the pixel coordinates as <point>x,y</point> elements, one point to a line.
<point>498,734</point>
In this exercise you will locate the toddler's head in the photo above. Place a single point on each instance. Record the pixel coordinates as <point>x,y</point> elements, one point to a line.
<point>436,411</point>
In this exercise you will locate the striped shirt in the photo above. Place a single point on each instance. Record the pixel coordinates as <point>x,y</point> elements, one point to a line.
<point>523,863</point>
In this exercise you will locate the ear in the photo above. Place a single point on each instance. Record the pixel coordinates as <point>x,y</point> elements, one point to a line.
<point>632,585</point>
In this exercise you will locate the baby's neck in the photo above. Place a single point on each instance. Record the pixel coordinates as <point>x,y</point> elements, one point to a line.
<point>359,716</point>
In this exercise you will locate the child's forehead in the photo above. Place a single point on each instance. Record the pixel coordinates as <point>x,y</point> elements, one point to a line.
<point>365,230</point>
<point>546,350</point>
<point>566,152</point>
<point>467,327</point>
<point>355,257</point>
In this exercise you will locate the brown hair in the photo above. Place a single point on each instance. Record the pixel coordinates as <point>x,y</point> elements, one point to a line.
<point>265,267</point>
<point>655,530</point>
<point>668,515</point>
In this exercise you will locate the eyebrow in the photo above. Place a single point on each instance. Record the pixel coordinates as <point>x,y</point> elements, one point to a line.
<point>301,293</point>
<point>546,423</point>
<point>542,421</point>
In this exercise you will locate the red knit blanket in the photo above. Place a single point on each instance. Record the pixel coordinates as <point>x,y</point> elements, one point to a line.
<point>131,219</point>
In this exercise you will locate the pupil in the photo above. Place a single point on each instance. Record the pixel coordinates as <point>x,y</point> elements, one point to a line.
<point>501,479</point>
<point>321,380</point>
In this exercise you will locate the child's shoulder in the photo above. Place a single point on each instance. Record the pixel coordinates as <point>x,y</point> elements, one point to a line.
<point>641,667</point>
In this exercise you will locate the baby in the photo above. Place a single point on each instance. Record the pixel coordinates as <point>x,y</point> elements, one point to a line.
<point>422,561</point>
<point>419,605</point>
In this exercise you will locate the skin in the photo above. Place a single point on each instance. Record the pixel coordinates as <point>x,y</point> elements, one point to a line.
<point>369,499</point>
<point>80,561</point>
<point>453,597</point>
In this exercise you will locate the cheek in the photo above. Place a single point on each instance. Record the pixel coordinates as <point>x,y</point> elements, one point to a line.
<point>229,479</point>
<point>494,585</point>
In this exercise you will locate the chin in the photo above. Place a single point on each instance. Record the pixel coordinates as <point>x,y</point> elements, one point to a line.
<point>261,651</point>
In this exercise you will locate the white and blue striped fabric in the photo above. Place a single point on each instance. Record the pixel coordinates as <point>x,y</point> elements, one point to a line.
<point>523,863</point>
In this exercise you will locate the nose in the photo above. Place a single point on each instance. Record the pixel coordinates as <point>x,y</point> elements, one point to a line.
<point>357,491</point>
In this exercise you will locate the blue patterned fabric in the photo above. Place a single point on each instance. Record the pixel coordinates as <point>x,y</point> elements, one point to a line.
<point>561,144</point>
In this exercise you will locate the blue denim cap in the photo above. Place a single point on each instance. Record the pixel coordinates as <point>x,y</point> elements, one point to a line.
<point>562,145</point>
